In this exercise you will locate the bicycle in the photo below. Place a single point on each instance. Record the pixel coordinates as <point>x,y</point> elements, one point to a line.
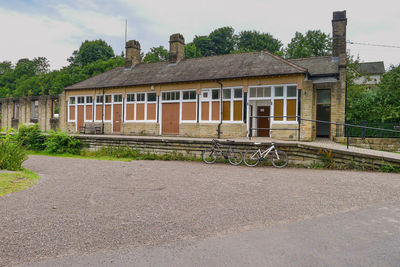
<point>278,158</point>
<point>234,157</point>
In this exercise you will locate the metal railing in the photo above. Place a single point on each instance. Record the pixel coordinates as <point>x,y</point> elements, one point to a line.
<point>343,129</point>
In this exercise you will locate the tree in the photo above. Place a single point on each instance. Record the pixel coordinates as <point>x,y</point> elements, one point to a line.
<point>313,43</point>
<point>389,95</point>
<point>91,51</point>
<point>256,41</point>
<point>204,45</point>
<point>156,54</point>
<point>191,51</point>
<point>222,40</point>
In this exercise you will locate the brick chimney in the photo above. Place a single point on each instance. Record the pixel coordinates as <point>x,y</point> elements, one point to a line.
<point>339,23</point>
<point>176,48</point>
<point>132,53</point>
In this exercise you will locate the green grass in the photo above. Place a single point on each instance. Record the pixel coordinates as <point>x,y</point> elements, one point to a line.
<point>16,181</point>
<point>67,155</point>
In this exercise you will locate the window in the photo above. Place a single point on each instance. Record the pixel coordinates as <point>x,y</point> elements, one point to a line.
<point>237,93</point>
<point>291,91</point>
<point>72,100</point>
<point>89,99</point>
<point>151,97</point>
<point>205,95</point>
<point>140,97</point>
<point>226,93</point>
<point>108,98</point>
<point>81,100</point>
<point>130,98</point>
<point>215,94</point>
<point>260,92</point>
<point>99,99</point>
<point>170,96</point>
<point>279,91</point>
<point>189,95</point>
<point>117,98</point>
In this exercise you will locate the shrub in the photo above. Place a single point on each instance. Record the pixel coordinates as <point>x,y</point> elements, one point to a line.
<point>31,137</point>
<point>12,153</point>
<point>60,142</point>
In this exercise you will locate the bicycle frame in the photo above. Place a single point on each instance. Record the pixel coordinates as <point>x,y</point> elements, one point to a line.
<point>266,152</point>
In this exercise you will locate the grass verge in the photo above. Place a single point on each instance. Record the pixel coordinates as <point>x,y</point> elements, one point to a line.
<point>11,181</point>
<point>83,156</point>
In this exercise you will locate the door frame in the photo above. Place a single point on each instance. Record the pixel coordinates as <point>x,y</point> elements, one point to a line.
<point>330,112</point>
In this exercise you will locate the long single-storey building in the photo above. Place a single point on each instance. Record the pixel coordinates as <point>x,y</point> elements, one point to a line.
<point>234,95</point>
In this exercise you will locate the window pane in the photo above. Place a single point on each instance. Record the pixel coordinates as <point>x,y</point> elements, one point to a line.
<point>117,98</point>
<point>238,93</point>
<point>108,98</point>
<point>99,99</point>
<point>267,91</point>
<point>226,94</point>
<point>140,97</point>
<point>279,91</point>
<point>130,97</point>
<point>151,97</point>
<point>192,95</point>
<point>291,109</point>
<point>81,99</point>
<point>226,110</point>
<point>72,100</point>
<point>215,94</point>
<point>323,96</point>
<point>253,92</point>
<point>205,95</point>
<point>291,91</point>
<point>278,110</point>
<point>260,92</point>
<point>177,95</point>
<point>185,95</point>
<point>89,99</point>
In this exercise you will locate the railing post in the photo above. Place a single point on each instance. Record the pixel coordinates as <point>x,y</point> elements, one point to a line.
<point>363,130</point>
<point>299,124</point>
<point>251,122</point>
<point>348,134</point>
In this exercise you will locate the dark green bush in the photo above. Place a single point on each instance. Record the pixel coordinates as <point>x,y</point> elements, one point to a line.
<point>12,153</point>
<point>31,137</point>
<point>60,142</point>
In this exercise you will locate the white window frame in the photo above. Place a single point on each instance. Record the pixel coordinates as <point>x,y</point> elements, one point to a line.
<point>135,102</point>
<point>273,98</point>
<point>69,105</point>
<point>210,100</point>
<point>187,101</point>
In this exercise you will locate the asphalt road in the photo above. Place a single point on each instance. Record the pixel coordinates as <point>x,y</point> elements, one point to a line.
<point>154,213</point>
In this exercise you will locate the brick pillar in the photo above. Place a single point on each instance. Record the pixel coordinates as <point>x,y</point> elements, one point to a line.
<point>308,111</point>
<point>62,119</point>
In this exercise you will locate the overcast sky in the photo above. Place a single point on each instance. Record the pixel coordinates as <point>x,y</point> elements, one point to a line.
<point>54,29</point>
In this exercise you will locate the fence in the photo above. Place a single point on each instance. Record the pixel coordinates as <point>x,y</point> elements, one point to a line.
<point>349,130</point>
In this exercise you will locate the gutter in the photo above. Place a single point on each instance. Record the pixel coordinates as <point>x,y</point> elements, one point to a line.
<point>220,109</point>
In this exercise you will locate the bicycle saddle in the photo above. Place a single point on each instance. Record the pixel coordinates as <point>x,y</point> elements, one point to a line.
<point>230,141</point>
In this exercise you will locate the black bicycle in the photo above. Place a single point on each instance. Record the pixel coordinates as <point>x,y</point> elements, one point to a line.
<point>227,152</point>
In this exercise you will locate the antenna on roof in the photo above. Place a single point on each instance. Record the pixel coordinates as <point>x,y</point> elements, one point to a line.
<point>126,30</point>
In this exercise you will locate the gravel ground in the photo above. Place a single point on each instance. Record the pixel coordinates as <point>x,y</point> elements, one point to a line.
<point>82,206</point>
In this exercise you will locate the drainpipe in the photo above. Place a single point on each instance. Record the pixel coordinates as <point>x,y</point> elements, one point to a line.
<point>102,115</point>
<point>221,110</point>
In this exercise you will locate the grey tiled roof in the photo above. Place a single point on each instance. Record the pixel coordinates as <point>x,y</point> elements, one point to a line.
<point>372,68</point>
<point>324,65</point>
<point>240,65</point>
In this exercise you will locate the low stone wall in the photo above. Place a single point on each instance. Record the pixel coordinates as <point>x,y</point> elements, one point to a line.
<point>384,144</point>
<point>301,154</point>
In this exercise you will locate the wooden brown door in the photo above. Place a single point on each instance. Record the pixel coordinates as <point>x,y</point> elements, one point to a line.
<point>81,116</point>
<point>170,118</point>
<point>117,117</point>
<point>263,122</point>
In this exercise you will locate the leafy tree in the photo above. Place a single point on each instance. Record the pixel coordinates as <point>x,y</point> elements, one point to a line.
<point>256,41</point>
<point>5,66</point>
<point>91,51</point>
<point>222,40</point>
<point>313,43</point>
<point>156,54</point>
<point>203,45</point>
<point>191,51</point>
<point>389,95</point>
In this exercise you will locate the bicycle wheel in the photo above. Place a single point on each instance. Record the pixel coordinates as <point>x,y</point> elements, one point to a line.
<point>251,158</point>
<point>209,156</point>
<point>279,159</point>
<point>235,157</point>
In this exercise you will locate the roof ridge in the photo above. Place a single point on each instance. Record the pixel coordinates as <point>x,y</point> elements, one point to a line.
<point>301,58</point>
